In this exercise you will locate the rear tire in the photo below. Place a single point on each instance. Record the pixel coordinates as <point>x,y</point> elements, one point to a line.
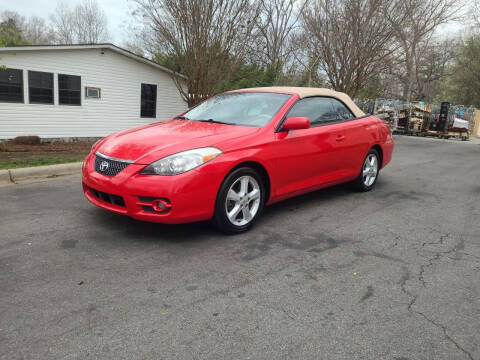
<point>240,201</point>
<point>368,176</point>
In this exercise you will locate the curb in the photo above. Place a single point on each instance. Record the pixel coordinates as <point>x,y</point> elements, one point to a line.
<point>38,172</point>
<point>5,177</point>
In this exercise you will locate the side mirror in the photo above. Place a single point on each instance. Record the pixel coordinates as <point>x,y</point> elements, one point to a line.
<point>296,123</point>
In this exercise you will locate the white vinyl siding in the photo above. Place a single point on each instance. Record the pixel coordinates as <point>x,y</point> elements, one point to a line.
<point>119,78</point>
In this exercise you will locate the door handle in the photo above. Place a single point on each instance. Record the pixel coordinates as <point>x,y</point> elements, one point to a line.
<point>340,138</point>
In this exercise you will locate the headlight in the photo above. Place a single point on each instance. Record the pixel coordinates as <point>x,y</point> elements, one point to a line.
<point>181,162</point>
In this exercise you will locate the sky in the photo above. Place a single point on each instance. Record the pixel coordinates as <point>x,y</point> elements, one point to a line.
<point>117,13</point>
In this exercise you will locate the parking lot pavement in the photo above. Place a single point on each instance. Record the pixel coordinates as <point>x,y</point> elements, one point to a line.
<point>390,274</point>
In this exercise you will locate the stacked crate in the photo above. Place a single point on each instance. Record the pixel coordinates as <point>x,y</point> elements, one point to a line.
<point>420,117</point>
<point>403,114</point>
<point>415,125</point>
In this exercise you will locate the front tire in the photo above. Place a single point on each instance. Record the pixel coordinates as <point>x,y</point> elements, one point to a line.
<point>368,176</point>
<point>240,201</point>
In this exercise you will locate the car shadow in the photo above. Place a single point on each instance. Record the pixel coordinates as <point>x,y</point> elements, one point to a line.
<point>147,232</point>
<point>192,233</point>
<point>314,198</point>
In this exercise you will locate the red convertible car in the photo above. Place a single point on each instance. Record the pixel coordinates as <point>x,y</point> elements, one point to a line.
<point>231,155</point>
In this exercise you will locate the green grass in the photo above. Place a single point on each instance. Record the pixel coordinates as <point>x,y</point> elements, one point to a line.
<point>51,160</point>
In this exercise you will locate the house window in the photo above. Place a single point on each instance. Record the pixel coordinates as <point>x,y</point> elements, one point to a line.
<point>148,101</point>
<point>40,87</point>
<point>93,92</point>
<point>69,90</point>
<point>11,85</point>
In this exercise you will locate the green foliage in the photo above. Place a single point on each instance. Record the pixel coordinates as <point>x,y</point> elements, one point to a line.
<point>250,75</point>
<point>462,86</point>
<point>10,34</point>
<point>447,92</point>
<point>371,91</point>
<point>465,82</point>
<point>169,61</point>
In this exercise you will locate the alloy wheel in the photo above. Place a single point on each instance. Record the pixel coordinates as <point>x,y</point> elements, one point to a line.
<point>370,170</point>
<point>243,200</point>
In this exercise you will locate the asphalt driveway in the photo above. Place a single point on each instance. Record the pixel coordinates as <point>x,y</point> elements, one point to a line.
<point>390,274</point>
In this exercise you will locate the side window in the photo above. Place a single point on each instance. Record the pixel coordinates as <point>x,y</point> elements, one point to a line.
<point>40,87</point>
<point>318,109</point>
<point>11,85</point>
<point>343,113</point>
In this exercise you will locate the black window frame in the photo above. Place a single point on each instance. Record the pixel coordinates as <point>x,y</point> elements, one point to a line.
<point>63,90</point>
<point>326,123</point>
<point>20,73</point>
<point>142,100</point>
<point>30,87</point>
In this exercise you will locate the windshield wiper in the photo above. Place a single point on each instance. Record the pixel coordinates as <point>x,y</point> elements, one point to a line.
<point>215,121</point>
<point>181,118</point>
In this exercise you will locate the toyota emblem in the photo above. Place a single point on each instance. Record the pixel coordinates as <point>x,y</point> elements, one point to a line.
<point>103,166</point>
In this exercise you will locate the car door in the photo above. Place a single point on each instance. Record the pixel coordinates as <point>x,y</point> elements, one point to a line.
<point>357,139</point>
<point>308,158</point>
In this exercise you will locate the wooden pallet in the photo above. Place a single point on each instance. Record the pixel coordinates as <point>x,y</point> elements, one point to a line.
<point>462,135</point>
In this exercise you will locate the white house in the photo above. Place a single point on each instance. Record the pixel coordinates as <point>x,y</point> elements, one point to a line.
<point>81,91</point>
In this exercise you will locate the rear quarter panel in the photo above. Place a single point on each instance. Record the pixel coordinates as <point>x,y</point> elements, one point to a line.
<point>361,135</point>
<point>386,143</point>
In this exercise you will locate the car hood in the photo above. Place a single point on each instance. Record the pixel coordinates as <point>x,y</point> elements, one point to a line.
<point>151,142</point>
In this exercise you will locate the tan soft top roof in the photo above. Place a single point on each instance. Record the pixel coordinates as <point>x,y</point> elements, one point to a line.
<point>304,92</point>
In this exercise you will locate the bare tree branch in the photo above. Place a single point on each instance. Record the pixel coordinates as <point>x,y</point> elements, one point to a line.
<point>208,38</point>
<point>275,26</point>
<point>86,23</point>
<point>350,40</point>
<point>413,22</point>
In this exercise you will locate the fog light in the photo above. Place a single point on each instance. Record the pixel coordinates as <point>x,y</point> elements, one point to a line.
<point>159,205</point>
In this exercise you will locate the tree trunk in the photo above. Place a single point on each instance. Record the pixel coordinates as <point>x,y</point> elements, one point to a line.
<point>410,74</point>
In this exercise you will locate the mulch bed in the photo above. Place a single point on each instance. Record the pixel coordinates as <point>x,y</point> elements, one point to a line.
<point>12,151</point>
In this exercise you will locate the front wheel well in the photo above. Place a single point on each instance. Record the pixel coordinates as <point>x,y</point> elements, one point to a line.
<point>261,170</point>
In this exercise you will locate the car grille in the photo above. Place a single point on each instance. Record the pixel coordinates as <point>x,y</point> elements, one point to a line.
<point>108,166</point>
<point>112,199</point>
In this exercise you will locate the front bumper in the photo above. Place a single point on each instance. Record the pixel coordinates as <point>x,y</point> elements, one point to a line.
<point>185,198</point>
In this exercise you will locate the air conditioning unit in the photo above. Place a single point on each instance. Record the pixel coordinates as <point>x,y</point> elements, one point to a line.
<point>93,92</point>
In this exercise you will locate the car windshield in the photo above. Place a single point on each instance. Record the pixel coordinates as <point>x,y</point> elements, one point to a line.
<point>240,108</point>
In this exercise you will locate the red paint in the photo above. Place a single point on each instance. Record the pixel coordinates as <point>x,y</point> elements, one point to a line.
<point>296,123</point>
<point>296,161</point>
